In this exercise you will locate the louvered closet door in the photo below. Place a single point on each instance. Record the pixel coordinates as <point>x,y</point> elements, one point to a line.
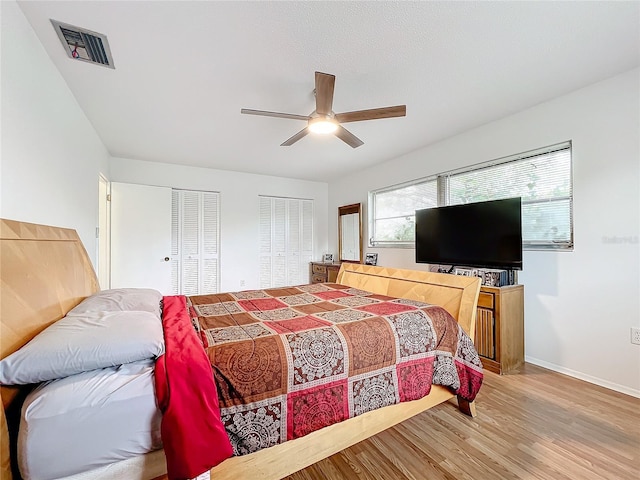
<point>189,243</point>
<point>306,236</point>
<point>279,257</point>
<point>210,243</point>
<point>286,241</point>
<point>195,240</point>
<point>265,242</point>
<point>294,238</point>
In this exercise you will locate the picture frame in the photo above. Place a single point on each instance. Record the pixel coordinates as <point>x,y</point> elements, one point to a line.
<point>466,272</point>
<point>371,259</point>
<point>327,258</point>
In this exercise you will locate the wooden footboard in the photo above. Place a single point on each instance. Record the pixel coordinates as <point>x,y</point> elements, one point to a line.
<point>281,460</point>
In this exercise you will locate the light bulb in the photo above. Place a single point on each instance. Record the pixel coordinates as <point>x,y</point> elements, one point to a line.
<point>322,125</point>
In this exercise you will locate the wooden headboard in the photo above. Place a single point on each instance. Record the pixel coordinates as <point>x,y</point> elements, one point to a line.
<point>44,272</point>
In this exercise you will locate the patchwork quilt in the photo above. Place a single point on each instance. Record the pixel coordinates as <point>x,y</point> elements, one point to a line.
<point>288,361</point>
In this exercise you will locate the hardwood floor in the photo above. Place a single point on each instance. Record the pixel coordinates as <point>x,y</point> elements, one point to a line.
<point>534,425</point>
<point>537,424</point>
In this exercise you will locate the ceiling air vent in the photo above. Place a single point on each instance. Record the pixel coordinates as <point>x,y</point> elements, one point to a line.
<point>83,44</point>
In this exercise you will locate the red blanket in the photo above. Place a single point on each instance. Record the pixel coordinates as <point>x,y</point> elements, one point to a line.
<point>193,436</point>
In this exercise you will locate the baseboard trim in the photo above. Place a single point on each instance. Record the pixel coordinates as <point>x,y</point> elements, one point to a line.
<point>583,376</point>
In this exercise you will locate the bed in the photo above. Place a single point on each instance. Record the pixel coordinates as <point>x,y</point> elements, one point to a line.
<point>45,272</point>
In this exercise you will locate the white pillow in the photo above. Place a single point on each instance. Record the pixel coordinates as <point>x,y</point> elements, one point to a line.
<point>76,344</point>
<point>120,300</point>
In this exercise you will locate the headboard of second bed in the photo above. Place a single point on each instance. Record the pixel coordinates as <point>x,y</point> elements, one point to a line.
<point>44,272</point>
<point>456,294</point>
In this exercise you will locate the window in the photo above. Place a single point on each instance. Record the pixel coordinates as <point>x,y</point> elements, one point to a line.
<point>542,178</point>
<point>393,211</point>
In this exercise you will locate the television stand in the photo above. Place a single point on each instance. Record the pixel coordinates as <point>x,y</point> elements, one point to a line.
<point>499,335</point>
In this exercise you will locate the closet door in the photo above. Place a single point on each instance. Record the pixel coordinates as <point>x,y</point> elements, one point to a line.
<point>210,266</point>
<point>266,232</point>
<point>294,240</point>
<point>279,246</point>
<point>140,237</point>
<point>286,241</point>
<point>306,239</point>
<point>195,241</point>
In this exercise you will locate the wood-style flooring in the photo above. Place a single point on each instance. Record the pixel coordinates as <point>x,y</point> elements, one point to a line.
<point>537,424</point>
<point>534,425</point>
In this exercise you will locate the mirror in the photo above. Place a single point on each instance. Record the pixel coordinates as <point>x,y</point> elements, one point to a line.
<point>350,233</point>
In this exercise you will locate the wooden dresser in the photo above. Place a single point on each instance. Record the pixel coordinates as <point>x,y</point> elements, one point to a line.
<point>500,328</point>
<point>320,272</point>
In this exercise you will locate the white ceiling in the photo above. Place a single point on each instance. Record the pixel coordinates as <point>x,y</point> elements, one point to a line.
<point>185,69</point>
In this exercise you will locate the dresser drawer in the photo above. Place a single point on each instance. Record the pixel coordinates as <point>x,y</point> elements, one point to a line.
<point>485,300</point>
<point>319,269</point>
<point>315,278</point>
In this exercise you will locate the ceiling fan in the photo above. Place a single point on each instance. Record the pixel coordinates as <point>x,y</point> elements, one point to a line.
<point>323,120</point>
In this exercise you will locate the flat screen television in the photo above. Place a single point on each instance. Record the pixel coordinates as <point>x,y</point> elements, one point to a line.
<point>482,234</point>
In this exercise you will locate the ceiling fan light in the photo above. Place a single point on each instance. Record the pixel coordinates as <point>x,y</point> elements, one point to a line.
<point>323,125</point>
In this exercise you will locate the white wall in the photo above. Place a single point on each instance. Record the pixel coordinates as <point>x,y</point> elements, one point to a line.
<point>579,305</point>
<point>50,156</point>
<point>239,209</point>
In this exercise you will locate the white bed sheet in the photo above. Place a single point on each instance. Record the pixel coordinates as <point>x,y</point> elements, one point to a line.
<point>88,420</point>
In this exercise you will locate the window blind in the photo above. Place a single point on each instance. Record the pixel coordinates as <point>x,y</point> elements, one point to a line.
<point>542,180</point>
<point>394,211</point>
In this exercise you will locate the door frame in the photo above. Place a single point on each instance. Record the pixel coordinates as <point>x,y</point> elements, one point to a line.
<point>103,233</point>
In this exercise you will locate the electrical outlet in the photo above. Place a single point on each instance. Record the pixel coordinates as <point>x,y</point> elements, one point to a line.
<point>242,283</point>
<point>635,335</point>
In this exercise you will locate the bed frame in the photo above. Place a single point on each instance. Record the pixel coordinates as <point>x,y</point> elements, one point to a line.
<point>45,271</point>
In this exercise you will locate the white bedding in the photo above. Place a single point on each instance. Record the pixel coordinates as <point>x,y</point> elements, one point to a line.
<point>84,421</point>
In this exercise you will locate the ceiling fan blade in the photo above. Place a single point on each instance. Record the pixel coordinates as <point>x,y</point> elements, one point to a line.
<point>302,133</point>
<point>348,137</point>
<point>264,113</point>
<point>372,114</point>
<point>324,92</point>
